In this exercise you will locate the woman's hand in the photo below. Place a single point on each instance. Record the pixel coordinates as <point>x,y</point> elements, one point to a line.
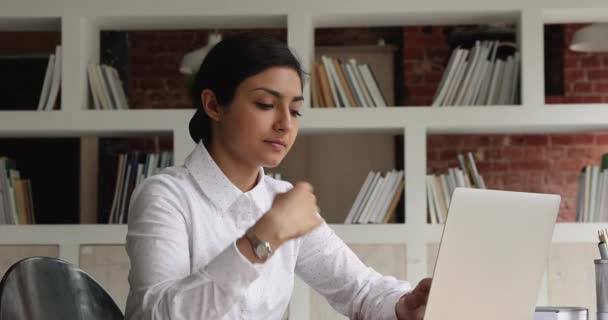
<point>293,214</point>
<point>411,306</point>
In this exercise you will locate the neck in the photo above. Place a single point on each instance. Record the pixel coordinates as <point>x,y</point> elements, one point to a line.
<point>242,175</point>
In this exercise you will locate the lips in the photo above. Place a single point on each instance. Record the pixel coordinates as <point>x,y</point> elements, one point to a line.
<point>279,142</point>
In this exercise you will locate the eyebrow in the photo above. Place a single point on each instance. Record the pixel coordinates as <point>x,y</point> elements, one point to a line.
<point>278,94</point>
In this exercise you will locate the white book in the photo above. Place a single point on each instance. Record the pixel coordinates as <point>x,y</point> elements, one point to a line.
<point>93,88</point>
<point>430,197</point>
<point>385,197</point>
<point>587,193</point>
<point>153,164</point>
<point>117,89</point>
<point>46,85</point>
<point>365,212</point>
<point>446,78</point>
<point>106,99</point>
<point>593,193</point>
<point>604,207</point>
<point>56,83</point>
<point>515,77</point>
<point>139,174</point>
<point>364,91</point>
<point>495,84</point>
<point>480,69</point>
<point>459,178</point>
<point>472,64</point>
<point>482,99</point>
<point>331,70</point>
<point>125,192</point>
<point>359,198</point>
<point>580,197</point>
<point>397,178</point>
<point>478,180</point>
<point>366,196</point>
<point>358,93</point>
<point>13,207</point>
<point>505,90</point>
<point>601,192</point>
<point>440,203</point>
<point>122,161</point>
<point>445,189</point>
<point>373,210</point>
<point>372,85</point>
<point>112,90</point>
<point>453,89</point>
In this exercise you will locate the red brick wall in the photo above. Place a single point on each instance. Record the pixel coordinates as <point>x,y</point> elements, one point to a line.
<point>585,74</point>
<point>529,163</point>
<point>154,58</point>
<point>425,55</point>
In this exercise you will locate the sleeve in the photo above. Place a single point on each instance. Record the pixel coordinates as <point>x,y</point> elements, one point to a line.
<point>330,267</point>
<point>162,284</point>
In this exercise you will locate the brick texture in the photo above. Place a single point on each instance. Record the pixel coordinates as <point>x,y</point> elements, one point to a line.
<point>529,163</point>
<point>585,74</point>
<point>154,59</point>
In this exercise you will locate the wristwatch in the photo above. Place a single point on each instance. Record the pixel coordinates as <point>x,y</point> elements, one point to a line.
<point>261,248</point>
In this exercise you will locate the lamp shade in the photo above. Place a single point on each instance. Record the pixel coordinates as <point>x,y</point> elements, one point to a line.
<point>193,60</point>
<point>591,38</point>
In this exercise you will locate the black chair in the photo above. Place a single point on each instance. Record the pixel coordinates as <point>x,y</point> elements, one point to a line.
<point>46,288</point>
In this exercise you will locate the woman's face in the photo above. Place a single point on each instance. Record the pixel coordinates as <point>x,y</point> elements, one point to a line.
<point>261,124</point>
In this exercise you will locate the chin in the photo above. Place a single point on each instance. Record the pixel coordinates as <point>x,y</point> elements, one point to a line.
<point>272,162</point>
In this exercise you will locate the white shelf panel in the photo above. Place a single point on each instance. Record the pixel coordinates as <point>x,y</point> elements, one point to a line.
<point>496,119</point>
<point>63,234</point>
<point>182,22</point>
<point>30,23</point>
<point>76,123</point>
<point>423,17</point>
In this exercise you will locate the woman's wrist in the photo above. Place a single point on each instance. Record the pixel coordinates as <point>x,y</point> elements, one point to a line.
<point>268,229</point>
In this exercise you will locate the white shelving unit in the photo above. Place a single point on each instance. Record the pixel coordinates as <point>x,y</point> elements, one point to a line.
<point>81,23</point>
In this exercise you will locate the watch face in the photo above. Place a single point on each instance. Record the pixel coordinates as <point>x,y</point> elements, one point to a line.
<point>262,250</point>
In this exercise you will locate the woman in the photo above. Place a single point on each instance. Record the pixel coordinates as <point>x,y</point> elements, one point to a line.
<point>216,238</point>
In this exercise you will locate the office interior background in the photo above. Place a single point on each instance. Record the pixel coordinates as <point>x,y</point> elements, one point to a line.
<point>530,113</point>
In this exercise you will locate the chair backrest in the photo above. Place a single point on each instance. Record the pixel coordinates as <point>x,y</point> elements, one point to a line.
<point>47,288</point>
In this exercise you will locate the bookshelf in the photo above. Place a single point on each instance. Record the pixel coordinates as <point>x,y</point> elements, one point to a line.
<point>80,28</point>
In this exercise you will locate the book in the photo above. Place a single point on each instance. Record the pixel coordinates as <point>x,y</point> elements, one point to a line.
<point>56,80</point>
<point>561,313</point>
<point>48,76</point>
<point>372,85</point>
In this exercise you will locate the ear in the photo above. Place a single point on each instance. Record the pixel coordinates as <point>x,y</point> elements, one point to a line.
<point>210,105</point>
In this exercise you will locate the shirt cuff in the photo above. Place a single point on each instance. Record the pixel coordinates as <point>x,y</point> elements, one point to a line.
<point>390,302</point>
<point>231,271</point>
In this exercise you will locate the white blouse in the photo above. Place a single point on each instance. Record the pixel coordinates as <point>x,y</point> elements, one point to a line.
<point>181,241</point>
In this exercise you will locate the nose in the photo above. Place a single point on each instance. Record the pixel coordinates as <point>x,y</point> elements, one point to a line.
<point>283,121</point>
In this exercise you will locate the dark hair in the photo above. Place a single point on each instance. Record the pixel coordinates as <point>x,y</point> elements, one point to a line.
<point>228,64</point>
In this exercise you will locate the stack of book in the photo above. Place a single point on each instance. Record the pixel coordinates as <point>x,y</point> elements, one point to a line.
<point>592,196</point>
<point>439,188</point>
<point>16,205</point>
<point>338,84</point>
<point>487,74</point>
<point>378,198</point>
<point>106,88</point>
<point>133,168</point>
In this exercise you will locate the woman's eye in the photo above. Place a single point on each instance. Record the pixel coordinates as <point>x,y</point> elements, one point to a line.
<point>296,113</point>
<point>264,105</point>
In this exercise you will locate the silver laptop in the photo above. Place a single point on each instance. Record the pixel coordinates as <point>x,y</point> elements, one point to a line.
<point>492,255</point>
